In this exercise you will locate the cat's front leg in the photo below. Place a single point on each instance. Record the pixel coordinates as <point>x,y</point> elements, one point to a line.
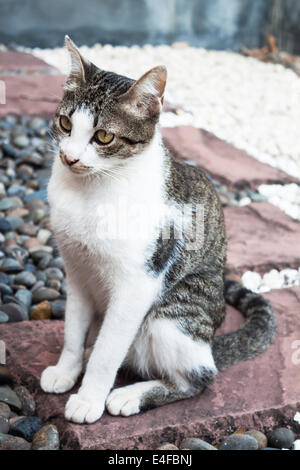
<point>62,377</point>
<point>124,315</point>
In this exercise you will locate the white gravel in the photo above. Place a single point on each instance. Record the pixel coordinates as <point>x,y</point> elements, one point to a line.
<point>286,197</point>
<point>274,279</point>
<point>251,104</point>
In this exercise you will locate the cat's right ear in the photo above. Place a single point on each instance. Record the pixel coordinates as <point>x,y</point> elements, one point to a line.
<point>145,97</point>
<point>79,66</point>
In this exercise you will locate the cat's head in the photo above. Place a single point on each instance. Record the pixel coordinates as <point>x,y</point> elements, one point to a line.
<point>105,119</point>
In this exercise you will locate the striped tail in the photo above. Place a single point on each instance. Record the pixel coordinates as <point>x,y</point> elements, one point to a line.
<point>254,336</point>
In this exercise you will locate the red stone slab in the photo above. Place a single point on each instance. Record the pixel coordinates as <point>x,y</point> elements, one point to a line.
<point>260,393</point>
<point>37,94</point>
<point>261,237</point>
<point>225,163</point>
<point>13,61</point>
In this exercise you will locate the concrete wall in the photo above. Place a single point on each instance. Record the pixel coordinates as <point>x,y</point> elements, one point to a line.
<point>217,24</point>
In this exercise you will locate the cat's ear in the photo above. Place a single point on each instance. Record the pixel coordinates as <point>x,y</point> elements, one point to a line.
<point>145,97</point>
<point>79,66</point>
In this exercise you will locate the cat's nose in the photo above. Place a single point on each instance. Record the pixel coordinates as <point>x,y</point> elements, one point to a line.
<point>68,160</point>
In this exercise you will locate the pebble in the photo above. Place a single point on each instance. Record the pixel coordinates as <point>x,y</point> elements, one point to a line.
<point>10,265</point>
<point>25,278</point>
<point>28,229</point>
<point>4,318</point>
<point>239,442</point>
<point>5,410</point>
<point>14,311</point>
<point>8,396</point>
<point>192,443</point>
<point>5,225</point>
<point>54,273</point>
<point>26,399</point>
<point>42,311</point>
<point>167,446</point>
<point>39,252</point>
<point>44,294</point>
<point>58,308</point>
<point>47,438</point>
<point>21,141</point>
<point>8,442</point>
<point>4,425</point>
<point>261,438</point>
<point>15,221</point>
<point>24,296</point>
<point>34,159</point>
<point>43,236</point>
<point>44,262</point>
<point>269,448</point>
<point>10,203</point>
<point>281,438</point>
<point>26,427</point>
<point>5,376</point>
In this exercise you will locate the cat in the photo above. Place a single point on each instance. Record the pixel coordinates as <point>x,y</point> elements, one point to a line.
<point>151,303</point>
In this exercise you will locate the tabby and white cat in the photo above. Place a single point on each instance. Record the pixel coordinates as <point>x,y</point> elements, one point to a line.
<point>151,303</point>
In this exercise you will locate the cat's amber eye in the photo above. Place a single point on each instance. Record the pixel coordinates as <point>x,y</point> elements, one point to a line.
<point>65,123</point>
<point>104,137</point>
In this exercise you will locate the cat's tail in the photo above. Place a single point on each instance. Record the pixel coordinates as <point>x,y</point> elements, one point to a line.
<point>254,336</point>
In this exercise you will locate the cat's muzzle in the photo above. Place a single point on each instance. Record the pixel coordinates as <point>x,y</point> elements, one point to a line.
<point>73,164</point>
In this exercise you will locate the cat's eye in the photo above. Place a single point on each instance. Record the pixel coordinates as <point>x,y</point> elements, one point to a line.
<point>104,137</point>
<point>65,123</point>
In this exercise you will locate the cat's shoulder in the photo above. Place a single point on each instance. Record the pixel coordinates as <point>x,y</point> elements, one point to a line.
<point>186,181</point>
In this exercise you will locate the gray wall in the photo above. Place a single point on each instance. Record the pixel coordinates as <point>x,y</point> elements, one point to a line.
<point>217,24</point>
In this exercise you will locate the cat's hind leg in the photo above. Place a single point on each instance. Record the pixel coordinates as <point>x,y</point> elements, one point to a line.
<point>180,366</point>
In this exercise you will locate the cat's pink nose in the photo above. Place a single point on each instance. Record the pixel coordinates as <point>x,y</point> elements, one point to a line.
<point>68,160</point>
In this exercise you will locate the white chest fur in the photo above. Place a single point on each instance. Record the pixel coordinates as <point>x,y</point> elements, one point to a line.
<point>98,221</point>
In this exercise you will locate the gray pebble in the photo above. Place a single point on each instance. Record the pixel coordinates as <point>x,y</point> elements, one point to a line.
<point>281,438</point>
<point>4,425</point>
<point>54,273</point>
<point>14,311</point>
<point>26,427</point>
<point>58,308</point>
<point>5,410</point>
<point>44,262</point>
<point>5,226</point>
<point>11,265</point>
<point>15,221</point>
<point>25,278</point>
<point>44,294</point>
<point>26,399</point>
<point>4,318</point>
<point>24,296</point>
<point>192,443</point>
<point>34,159</point>
<point>239,442</point>
<point>9,203</point>
<point>8,442</point>
<point>21,141</point>
<point>8,396</point>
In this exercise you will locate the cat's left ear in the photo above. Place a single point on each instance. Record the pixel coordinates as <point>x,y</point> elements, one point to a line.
<point>146,96</point>
<point>79,66</point>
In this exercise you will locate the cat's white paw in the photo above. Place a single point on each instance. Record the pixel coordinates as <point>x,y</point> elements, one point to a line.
<point>54,380</point>
<point>122,401</point>
<point>80,409</point>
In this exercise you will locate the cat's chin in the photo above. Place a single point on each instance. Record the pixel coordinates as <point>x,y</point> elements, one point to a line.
<point>80,171</point>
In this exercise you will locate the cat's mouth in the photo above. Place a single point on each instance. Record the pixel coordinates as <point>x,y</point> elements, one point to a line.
<point>73,165</point>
